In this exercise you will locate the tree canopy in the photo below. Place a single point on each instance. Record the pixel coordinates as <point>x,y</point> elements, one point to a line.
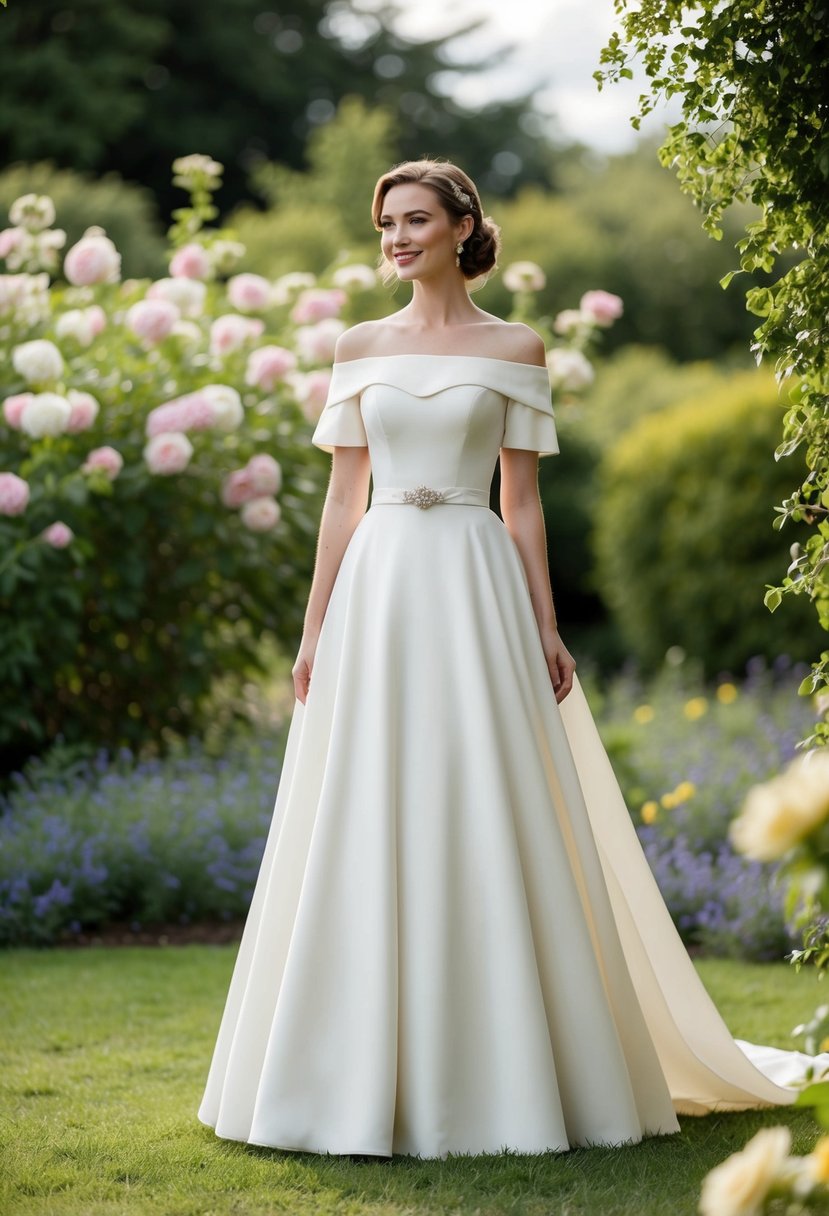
<point>751,76</point>
<point>105,85</point>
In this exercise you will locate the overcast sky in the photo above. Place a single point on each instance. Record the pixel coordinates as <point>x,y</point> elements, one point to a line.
<point>558,43</point>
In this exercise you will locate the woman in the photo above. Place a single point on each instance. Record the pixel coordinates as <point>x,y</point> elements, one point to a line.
<point>455,944</point>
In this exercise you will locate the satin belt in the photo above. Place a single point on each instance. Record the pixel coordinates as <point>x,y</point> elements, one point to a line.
<point>427,496</point>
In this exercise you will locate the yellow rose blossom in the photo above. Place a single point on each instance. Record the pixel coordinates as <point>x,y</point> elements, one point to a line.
<point>740,1185</point>
<point>650,811</point>
<point>695,708</point>
<point>777,815</point>
<point>668,801</point>
<point>684,791</point>
<point>643,714</point>
<point>727,694</point>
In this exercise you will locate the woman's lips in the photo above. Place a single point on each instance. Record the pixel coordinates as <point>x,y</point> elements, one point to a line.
<point>403,258</point>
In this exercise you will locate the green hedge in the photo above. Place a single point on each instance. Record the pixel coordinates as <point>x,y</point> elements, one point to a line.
<point>684,538</point>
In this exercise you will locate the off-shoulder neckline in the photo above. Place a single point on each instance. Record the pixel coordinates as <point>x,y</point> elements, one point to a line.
<point>539,367</point>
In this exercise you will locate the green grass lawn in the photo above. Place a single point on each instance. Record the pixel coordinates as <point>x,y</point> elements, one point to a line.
<point>104,1057</point>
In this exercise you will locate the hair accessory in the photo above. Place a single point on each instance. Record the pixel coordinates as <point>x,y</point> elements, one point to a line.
<point>461,195</point>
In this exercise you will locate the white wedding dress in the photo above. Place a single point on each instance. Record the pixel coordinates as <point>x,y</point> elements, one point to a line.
<point>455,944</point>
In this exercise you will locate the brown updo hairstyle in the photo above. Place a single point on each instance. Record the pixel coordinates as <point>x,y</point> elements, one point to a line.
<point>481,247</point>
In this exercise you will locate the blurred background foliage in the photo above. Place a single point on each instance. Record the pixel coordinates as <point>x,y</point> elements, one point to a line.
<point>305,108</point>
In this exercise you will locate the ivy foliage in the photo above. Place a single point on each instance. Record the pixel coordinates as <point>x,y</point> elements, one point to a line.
<point>751,76</point>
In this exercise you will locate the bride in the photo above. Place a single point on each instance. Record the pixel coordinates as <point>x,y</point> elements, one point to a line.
<point>455,944</point>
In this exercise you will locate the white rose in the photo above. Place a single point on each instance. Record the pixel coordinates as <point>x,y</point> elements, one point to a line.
<point>32,211</point>
<point>168,453</point>
<point>45,414</point>
<point>740,1185</point>
<point>260,514</point>
<point>188,295</point>
<point>569,369</point>
<point>356,276</point>
<point>778,814</point>
<point>38,361</point>
<point>227,405</point>
<point>289,285</point>
<point>524,276</point>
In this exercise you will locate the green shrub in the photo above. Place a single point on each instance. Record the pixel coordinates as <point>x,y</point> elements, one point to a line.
<point>684,539</point>
<point>127,212</point>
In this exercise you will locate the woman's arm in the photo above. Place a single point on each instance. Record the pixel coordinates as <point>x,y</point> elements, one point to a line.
<point>345,504</point>
<point>524,519</point>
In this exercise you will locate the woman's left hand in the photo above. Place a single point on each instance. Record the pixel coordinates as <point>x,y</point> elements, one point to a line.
<point>560,663</point>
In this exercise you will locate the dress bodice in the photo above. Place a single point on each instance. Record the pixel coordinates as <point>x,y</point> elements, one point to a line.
<point>438,419</point>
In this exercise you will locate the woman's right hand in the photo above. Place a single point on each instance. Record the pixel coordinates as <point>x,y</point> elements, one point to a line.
<point>301,670</point>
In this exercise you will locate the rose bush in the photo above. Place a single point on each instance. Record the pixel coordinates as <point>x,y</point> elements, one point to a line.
<point>129,575</point>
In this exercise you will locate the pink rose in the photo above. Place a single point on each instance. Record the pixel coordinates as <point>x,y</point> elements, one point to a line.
<point>318,304</point>
<point>261,514</point>
<point>10,238</point>
<point>249,292</point>
<point>58,535</point>
<point>14,406</point>
<point>316,343</point>
<point>312,393</point>
<point>152,320</point>
<point>265,473</point>
<point>600,307</point>
<point>193,412</point>
<point>94,259</point>
<point>168,453</point>
<point>238,488</point>
<point>105,458</point>
<point>230,331</point>
<point>190,262</point>
<point>267,365</point>
<point>84,411</point>
<point>14,494</point>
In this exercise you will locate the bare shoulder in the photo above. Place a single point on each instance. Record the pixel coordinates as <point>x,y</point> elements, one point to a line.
<point>520,343</point>
<point>363,340</point>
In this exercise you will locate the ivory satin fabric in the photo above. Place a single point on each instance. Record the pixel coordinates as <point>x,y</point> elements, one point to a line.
<point>455,944</point>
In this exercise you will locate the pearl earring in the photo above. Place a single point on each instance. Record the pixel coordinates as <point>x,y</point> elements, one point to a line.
<point>458,252</point>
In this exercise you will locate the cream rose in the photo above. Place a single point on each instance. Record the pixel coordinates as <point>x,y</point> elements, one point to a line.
<point>38,361</point>
<point>168,453</point>
<point>45,414</point>
<point>524,276</point>
<point>355,276</point>
<point>226,405</point>
<point>778,814</point>
<point>260,514</point>
<point>569,369</point>
<point>741,1184</point>
<point>82,324</point>
<point>187,294</point>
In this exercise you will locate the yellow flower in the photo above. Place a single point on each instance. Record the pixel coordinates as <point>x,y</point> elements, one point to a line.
<point>684,791</point>
<point>727,694</point>
<point>777,815</point>
<point>695,708</point>
<point>650,811</point>
<point>740,1184</point>
<point>668,801</point>
<point>643,714</point>
<point>819,1159</point>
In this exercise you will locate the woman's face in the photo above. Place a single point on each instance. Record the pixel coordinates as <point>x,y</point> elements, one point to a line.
<point>417,235</point>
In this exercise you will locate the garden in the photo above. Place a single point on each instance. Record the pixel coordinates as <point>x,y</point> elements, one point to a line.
<point>165,353</point>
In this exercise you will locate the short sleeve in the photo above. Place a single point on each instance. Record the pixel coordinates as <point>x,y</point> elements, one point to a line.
<point>341,423</point>
<point>529,422</point>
